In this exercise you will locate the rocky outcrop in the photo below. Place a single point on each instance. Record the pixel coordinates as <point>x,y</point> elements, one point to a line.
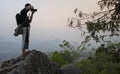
<point>35,62</point>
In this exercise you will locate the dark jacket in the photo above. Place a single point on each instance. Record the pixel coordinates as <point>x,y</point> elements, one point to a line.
<point>24,18</point>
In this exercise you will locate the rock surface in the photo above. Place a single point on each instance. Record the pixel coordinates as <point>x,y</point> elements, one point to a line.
<point>35,62</point>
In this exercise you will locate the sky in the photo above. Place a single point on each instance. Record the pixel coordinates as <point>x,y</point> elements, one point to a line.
<point>49,22</point>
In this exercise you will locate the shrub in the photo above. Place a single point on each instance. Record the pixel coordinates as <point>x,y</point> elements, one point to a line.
<point>58,58</point>
<point>104,62</point>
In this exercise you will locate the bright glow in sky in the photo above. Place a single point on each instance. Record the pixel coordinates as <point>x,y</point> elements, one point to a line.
<point>49,22</point>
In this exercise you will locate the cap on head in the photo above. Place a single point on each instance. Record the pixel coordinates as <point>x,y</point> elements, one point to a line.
<point>27,4</point>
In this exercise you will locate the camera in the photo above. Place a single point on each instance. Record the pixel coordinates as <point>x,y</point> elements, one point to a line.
<point>32,9</point>
<point>35,10</point>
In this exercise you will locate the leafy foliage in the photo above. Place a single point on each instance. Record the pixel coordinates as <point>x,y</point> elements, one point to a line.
<point>69,51</point>
<point>69,54</point>
<point>107,56</point>
<point>58,58</point>
<point>105,60</point>
<point>97,22</point>
<point>74,52</point>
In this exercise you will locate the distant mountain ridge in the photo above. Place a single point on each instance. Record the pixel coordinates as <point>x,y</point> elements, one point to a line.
<point>9,46</point>
<point>10,49</point>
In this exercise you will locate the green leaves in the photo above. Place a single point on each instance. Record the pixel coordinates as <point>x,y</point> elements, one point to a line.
<point>58,58</point>
<point>71,51</point>
<point>104,61</point>
<point>99,22</point>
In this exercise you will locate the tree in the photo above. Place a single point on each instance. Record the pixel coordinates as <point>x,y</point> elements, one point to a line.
<point>108,20</point>
<point>97,22</point>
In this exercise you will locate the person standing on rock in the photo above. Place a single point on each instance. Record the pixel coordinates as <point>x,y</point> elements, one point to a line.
<point>26,20</point>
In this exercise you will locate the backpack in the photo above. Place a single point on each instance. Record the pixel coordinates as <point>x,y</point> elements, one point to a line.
<point>19,29</point>
<point>18,18</point>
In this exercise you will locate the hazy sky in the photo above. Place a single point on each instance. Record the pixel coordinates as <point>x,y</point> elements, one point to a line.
<point>49,22</point>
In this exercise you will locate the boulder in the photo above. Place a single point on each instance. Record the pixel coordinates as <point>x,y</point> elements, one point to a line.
<point>35,62</point>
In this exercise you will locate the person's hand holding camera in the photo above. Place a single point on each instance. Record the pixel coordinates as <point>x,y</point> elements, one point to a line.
<point>33,10</point>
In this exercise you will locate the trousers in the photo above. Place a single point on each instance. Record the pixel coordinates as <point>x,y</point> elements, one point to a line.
<point>25,37</point>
